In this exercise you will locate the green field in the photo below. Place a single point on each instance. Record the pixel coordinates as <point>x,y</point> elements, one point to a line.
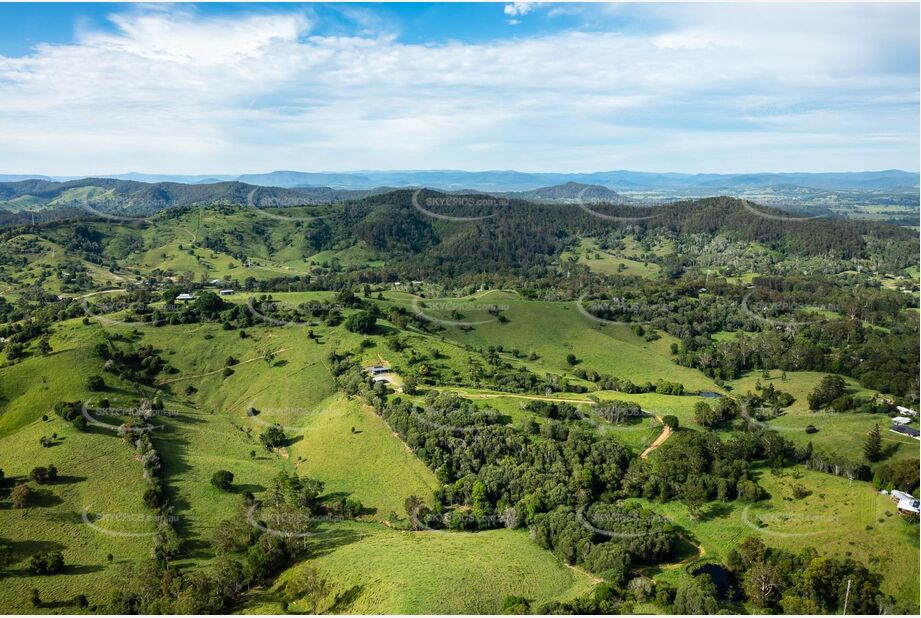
<point>375,570</point>
<point>839,433</point>
<point>839,516</point>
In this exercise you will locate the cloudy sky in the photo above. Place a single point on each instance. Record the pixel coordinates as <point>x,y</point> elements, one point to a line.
<point>237,88</point>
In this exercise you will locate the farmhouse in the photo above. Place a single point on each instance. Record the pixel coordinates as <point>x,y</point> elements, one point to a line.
<point>377,379</point>
<point>906,411</point>
<point>376,370</point>
<point>898,496</point>
<point>225,292</point>
<point>900,420</point>
<point>185,296</point>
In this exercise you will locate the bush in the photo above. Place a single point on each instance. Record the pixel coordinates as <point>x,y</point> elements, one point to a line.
<point>223,480</point>
<point>362,323</point>
<point>20,496</point>
<point>42,475</point>
<point>273,436</point>
<point>95,383</point>
<point>48,563</point>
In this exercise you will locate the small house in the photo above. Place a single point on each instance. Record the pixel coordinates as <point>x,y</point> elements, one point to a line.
<point>225,292</point>
<point>900,420</point>
<point>898,496</point>
<point>908,507</point>
<point>185,296</point>
<point>906,411</point>
<point>377,379</point>
<point>377,370</point>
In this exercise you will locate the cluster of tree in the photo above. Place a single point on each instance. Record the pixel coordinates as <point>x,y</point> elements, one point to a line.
<point>875,358</point>
<point>46,563</point>
<point>139,365</point>
<point>904,475</point>
<point>43,475</point>
<point>805,583</point>
<point>722,411</point>
<point>826,392</point>
<point>696,467</point>
<point>605,538</point>
<point>839,465</point>
<point>618,412</point>
<point>72,412</point>
<point>551,409</point>
<point>605,382</point>
<point>506,476</point>
<point>167,542</point>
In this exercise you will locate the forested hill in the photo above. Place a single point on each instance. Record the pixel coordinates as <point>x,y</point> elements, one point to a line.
<point>521,228</point>
<point>131,197</point>
<point>450,235</point>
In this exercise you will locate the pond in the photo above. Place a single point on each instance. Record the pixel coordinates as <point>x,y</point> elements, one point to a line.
<point>726,584</point>
<point>709,394</point>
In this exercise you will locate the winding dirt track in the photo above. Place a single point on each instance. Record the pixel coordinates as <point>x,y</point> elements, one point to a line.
<point>659,441</point>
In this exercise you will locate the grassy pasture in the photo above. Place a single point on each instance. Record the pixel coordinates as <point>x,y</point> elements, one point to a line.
<point>838,517</point>
<point>374,569</point>
<point>553,330</point>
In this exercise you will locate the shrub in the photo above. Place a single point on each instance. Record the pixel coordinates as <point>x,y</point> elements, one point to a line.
<point>223,480</point>
<point>95,383</point>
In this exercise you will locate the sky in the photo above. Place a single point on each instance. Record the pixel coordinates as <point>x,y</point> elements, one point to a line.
<point>537,87</point>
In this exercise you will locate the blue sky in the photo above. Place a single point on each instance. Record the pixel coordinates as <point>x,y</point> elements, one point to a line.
<point>233,88</point>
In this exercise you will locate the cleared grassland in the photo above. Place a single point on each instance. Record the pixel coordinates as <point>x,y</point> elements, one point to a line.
<point>553,330</point>
<point>374,569</point>
<point>843,433</point>
<point>98,475</point>
<point>610,262</point>
<point>838,517</point>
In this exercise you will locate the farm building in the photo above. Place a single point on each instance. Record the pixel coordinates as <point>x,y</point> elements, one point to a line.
<point>225,292</point>
<point>906,411</point>
<point>908,506</point>
<point>376,370</point>
<point>901,420</point>
<point>185,296</point>
<point>380,379</point>
<point>898,496</point>
<point>905,430</point>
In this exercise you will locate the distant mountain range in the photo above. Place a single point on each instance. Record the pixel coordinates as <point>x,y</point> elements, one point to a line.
<point>21,198</point>
<point>510,180</point>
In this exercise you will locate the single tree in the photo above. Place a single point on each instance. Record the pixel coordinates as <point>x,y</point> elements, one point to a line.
<point>872,448</point>
<point>20,496</point>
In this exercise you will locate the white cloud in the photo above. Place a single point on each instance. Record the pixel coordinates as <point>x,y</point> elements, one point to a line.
<point>519,8</point>
<point>171,91</point>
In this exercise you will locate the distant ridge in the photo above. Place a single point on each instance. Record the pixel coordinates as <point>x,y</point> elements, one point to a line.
<point>511,180</point>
